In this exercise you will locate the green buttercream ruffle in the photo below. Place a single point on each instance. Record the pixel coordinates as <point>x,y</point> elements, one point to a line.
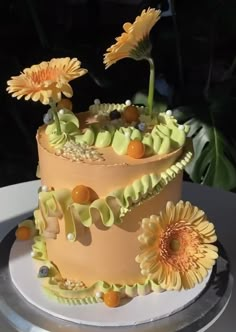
<point>110,209</point>
<point>87,295</point>
<point>39,248</point>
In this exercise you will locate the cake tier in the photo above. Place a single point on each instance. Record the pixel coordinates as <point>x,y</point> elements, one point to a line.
<point>99,240</point>
<point>102,176</point>
<point>108,254</point>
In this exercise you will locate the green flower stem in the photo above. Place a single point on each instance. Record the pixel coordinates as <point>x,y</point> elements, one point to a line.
<point>56,118</point>
<point>151,85</point>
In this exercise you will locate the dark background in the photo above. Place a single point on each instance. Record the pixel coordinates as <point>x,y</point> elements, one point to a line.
<point>32,31</point>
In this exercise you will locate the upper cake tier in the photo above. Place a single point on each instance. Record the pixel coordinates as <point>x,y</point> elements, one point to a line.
<point>99,144</point>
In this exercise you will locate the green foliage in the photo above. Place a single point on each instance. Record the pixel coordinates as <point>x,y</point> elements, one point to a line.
<point>211,164</point>
<point>159,105</point>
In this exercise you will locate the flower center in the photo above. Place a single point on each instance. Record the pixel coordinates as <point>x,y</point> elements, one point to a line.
<point>178,245</point>
<point>174,244</point>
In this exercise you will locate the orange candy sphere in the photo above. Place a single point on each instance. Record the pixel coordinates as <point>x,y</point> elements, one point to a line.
<point>136,149</point>
<point>112,299</point>
<point>23,233</point>
<point>64,103</point>
<point>131,114</point>
<point>81,194</point>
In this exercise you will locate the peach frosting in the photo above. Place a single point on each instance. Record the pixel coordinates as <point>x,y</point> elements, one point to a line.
<point>99,252</point>
<point>108,254</point>
<point>59,172</point>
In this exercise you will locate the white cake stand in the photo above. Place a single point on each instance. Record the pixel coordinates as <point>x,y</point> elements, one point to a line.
<point>198,316</point>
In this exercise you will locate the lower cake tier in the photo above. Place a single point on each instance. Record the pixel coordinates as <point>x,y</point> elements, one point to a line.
<point>108,253</point>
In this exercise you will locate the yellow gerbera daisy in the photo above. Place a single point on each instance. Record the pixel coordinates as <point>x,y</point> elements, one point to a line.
<point>176,248</point>
<point>46,81</point>
<point>134,42</point>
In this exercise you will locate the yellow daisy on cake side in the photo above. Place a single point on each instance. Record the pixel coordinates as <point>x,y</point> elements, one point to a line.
<point>177,247</point>
<point>46,81</point>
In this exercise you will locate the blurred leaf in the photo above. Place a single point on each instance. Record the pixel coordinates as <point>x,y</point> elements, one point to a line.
<point>159,105</point>
<point>211,164</point>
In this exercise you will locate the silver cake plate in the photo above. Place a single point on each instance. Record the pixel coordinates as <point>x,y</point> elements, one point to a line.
<point>22,316</point>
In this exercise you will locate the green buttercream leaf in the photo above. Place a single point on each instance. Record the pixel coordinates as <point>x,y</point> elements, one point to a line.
<point>120,143</point>
<point>164,130</point>
<point>136,134</point>
<point>165,146</point>
<point>156,143</point>
<point>87,137</point>
<point>178,138</point>
<point>129,194</point>
<point>70,128</point>
<point>148,142</point>
<point>69,117</point>
<point>103,139</point>
<point>146,182</point>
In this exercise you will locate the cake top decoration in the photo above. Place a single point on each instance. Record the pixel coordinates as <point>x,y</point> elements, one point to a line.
<point>135,43</point>
<point>46,82</point>
<point>129,129</point>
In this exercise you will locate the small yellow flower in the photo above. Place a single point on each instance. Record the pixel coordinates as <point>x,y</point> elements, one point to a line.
<point>46,81</point>
<point>134,42</point>
<point>176,246</point>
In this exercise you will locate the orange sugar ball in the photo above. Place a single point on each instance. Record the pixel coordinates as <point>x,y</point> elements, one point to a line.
<point>112,299</point>
<point>81,194</point>
<point>23,233</point>
<point>136,149</point>
<point>131,114</point>
<point>64,103</point>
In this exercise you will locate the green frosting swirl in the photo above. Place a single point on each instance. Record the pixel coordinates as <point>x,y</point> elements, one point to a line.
<point>87,137</point>
<point>165,136</point>
<point>70,130</point>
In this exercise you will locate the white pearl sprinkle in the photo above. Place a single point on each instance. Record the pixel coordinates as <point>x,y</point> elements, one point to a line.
<point>58,152</point>
<point>61,112</point>
<point>169,112</point>
<point>128,102</point>
<point>181,127</point>
<point>44,188</point>
<point>33,254</point>
<point>70,237</point>
<point>99,295</point>
<point>97,101</point>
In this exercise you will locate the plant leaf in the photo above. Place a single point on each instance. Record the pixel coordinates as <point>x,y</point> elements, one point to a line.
<point>211,164</point>
<point>159,105</point>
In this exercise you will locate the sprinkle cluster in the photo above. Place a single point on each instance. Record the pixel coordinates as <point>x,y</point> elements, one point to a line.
<point>69,284</point>
<point>79,152</point>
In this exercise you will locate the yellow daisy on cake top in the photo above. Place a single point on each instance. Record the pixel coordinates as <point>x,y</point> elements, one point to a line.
<point>134,42</point>
<point>46,81</point>
<point>176,246</point>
